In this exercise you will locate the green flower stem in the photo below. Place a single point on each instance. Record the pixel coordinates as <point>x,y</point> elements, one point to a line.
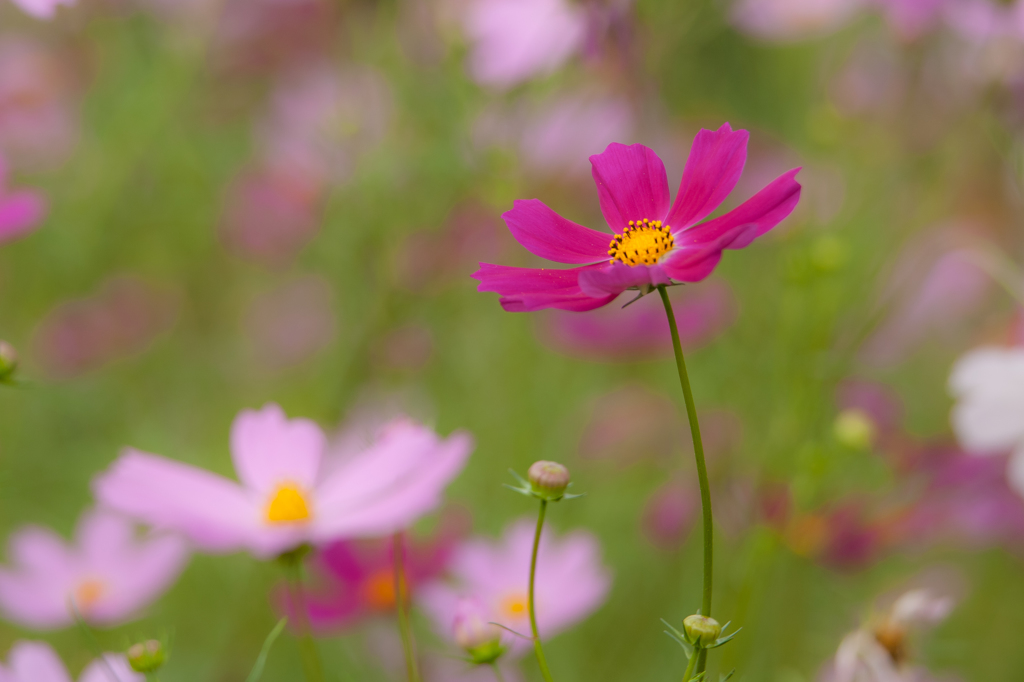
<point>401,606</point>
<point>311,665</point>
<point>497,672</point>
<point>92,641</point>
<point>541,661</point>
<point>690,666</point>
<point>698,453</point>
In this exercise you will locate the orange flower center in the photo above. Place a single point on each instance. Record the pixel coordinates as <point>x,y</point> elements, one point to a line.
<point>288,505</point>
<point>379,589</point>
<point>87,593</point>
<point>515,605</point>
<point>643,242</point>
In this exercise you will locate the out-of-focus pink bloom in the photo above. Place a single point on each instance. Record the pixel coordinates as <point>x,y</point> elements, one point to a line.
<point>408,347</point>
<point>655,243</point>
<point>42,9</point>
<point>108,575</point>
<point>269,216</point>
<point>567,130</point>
<point>787,20</point>
<point>641,330</point>
<point>262,36</point>
<point>670,512</point>
<point>321,120</point>
<point>879,402</point>
<point>982,21</point>
<point>571,581</point>
<point>37,119</point>
<point>292,323</point>
<point>912,18</point>
<point>21,210</point>
<point>515,40</point>
<point>385,645</point>
<point>937,284</point>
<point>872,81</point>
<point>842,536</point>
<point>38,662</point>
<point>354,580</point>
<point>285,499</point>
<point>119,320</point>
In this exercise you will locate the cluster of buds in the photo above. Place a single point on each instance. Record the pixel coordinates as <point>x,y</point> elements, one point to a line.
<point>546,481</point>
<point>147,657</point>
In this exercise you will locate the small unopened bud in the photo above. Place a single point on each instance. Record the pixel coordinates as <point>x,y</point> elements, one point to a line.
<point>474,634</point>
<point>854,429</point>
<point>8,360</point>
<point>147,657</point>
<point>701,630</point>
<point>548,479</point>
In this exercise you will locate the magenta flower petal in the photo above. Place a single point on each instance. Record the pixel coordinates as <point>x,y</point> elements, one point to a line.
<point>712,171</point>
<point>548,235</point>
<point>20,213</point>
<point>528,289</point>
<point>269,449</point>
<point>211,510</point>
<point>615,278</point>
<point>632,184</point>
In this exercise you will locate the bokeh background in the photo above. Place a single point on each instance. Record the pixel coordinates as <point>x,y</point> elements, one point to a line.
<point>283,200</point>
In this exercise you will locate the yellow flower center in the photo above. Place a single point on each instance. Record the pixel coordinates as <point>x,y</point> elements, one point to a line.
<point>288,505</point>
<point>87,593</point>
<point>642,242</point>
<point>515,605</point>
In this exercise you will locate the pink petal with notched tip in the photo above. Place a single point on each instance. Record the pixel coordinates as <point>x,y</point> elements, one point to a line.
<point>528,289</point>
<point>712,171</point>
<point>269,449</point>
<point>617,277</point>
<point>212,511</point>
<point>546,234</point>
<point>631,183</point>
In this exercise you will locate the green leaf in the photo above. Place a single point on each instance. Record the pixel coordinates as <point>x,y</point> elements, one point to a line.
<point>261,660</point>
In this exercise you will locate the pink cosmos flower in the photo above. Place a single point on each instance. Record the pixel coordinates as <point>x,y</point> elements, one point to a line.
<point>21,210</point>
<point>654,243</point>
<point>288,495</point>
<point>670,512</point>
<point>108,574</point>
<point>515,40</point>
<point>571,581</point>
<point>42,9</point>
<point>38,662</point>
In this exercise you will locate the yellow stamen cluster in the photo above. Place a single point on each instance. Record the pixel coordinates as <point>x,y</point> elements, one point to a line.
<point>643,242</point>
<point>288,505</point>
<point>515,605</point>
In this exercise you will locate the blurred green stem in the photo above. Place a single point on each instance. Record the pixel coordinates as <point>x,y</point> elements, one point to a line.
<point>497,672</point>
<point>401,606</point>
<point>93,643</point>
<point>311,666</point>
<point>541,661</point>
<point>690,666</point>
<point>698,454</point>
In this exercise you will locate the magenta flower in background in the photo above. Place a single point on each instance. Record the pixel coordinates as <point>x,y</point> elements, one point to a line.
<point>107,574</point>
<point>654,243</point>
<point>354,580</point>
<point>571,581</point>
<point>288,494</point>
<point>670,512</point>
<point>515,40</point>
<point>21,210</point>
<point>38,662</point>
<point>640,330</point>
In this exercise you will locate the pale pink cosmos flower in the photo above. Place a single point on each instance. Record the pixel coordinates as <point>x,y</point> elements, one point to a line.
<point>108,575</point>
<point>38,662</point>
<point>790,20</point>
<point>287,496</point>
<point>571,581</point>
<point>21,210</point>
<point>42,9</point>
<point>515,40</point>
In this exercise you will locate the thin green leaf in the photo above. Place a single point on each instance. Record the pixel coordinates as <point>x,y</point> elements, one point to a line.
<point>261,660</point>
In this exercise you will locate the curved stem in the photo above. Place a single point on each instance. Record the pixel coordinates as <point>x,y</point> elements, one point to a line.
<point>311,665</point>
<point>689,667</point>
<point>698,454</point>
<point>401,604</point>
<point>541,661</point>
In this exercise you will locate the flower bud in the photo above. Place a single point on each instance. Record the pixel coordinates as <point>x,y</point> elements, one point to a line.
<point>474,634</point>
<point>8,360</point>
<point>548,480</point>
<point>701,630</point>
<point>854,429</point>
<point>147,657</point>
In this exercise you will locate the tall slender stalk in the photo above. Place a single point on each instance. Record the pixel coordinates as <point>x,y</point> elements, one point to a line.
<point>537,648</point>
<point>690,666</point>
<point>401,605</point>
<point>702,470</point>
<point>311,665</point>
<point>92,642</point>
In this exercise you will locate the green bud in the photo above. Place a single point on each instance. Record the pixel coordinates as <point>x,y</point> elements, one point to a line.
<point>548,480</point>
<point>8,361</point>
<point>147,657</point>
<point>854,429</point>
<point>701,630</point>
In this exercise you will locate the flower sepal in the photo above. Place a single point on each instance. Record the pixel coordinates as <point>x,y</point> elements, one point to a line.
<point>486,654</point>
<point>700,632</point>
<point>525,488</point>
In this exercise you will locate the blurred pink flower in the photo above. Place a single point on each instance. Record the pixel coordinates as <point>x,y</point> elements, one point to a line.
<point>512,41</point>
<point>568,129</point>
<point>285,497</point>
<point>354,580</point>
<point>982,21</point>
<point>38,127</point>
<point>119,320</point>
<point>21,210</point>
<point>669,513</point>
<point>108,575</point>
<point>290,324</point>
<point>406,348</point>
<point>42,9</point>
<point>647,250</point>
<point>789,20</point>
<point>571,581</point>
<point>641,330</point>
<point>262,36</point>
<point>38,662</point>
<point>269,216</point>
<point>912,18</point>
